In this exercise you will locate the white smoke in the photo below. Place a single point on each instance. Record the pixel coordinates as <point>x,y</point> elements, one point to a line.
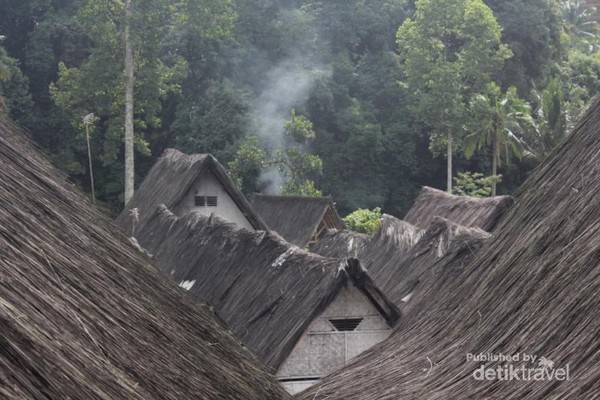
<point>271,179</point>
<point>289,85</point>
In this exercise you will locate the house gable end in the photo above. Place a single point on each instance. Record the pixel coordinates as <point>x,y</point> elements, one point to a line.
<point>207,195</point>
<point>349,325</point>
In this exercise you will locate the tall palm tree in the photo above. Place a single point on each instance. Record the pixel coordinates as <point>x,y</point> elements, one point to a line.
<point>580,22</point>
<point>552,118</point>
<point>499,121</point>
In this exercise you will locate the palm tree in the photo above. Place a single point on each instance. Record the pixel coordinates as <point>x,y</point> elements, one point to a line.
<point>580,22</point>
<point>499,122</point>
<point>552,119</point>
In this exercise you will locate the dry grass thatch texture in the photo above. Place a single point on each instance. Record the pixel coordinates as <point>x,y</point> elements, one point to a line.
<point>266,290</point>
<point>341,243</point>
<point>532,288</point>
<point>296,218</point>
<point>85,315</point>
<point>471,212</point>
<point>412,278</point>
<point>170,179</point>
<point>394,239</point>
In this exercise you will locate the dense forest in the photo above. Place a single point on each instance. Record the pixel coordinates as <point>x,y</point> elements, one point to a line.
<point>360,100</point>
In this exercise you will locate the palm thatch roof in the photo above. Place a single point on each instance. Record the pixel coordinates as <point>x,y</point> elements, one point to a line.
<point>341,243</point>
<point>170,179</point>
<point>471,212</point>
<point>85,315</point>
<point>400,256</point>
<point>298,219</point>
<point>415,274</point>
<point>532,288</point>
<point>392,241</point>
<point>393,236</point>
<point>266,290</point>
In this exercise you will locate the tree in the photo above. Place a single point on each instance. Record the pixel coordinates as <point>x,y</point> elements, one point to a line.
<point>364,220</point>
<point>96,83</point>
<point>249,161</point>
<point>473,184</point>
<point>295,167</point>
<point>14,95</point>
<point>532,29</point>
<point>129,79</point>
<point>449,50</point>
<point>499,121</point>
<point>551,120</point>
<point>299,167</point>
<point>580,23</point>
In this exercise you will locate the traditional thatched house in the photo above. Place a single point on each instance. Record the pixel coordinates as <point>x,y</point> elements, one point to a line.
<point>187,183</point>
<point>531,290</point>
<point>400,255</point>
<point>300,220</point>
<point>84,315</point>
<point>471,212</point>
<point>303,315</point>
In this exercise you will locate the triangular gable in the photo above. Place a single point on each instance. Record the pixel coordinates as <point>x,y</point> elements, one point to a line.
<point>170,180</point>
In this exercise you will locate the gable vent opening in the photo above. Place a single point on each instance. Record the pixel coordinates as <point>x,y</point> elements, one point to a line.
<point>211,201</point>
<point>199,201</point>
<point>346,324</point>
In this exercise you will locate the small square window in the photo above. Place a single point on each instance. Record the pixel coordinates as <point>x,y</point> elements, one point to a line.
<point>199,201</point>
<point>211,201</point>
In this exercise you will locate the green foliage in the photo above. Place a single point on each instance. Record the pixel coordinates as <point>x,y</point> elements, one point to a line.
<point>532,30</point>
<point>580,24</point>
<point>474,184</point>
<point>97,85</point>
<point>299,128</point>
<point>202,65</point>
<point>500,120</point>
<point>249,160</point>
<point>364,220</point>
<point>306,188</point>
<point>213,123</point>
<point>14,89</point>
<point>297,168</point>
<point>449,51</point>
<point>551,117</point>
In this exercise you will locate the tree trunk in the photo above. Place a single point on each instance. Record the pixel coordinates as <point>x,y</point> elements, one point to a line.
<point>449,155</point>
<point>495,156</point>
<point>89,149</point>
<point>129,79</point>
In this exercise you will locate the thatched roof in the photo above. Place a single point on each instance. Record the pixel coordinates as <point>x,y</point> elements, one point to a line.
<point>341,243</point>
<point>296,218</point>
<point>444,248</point>
<point>532,288</point>
<point>393,238</point>
<point>171,178</point>
<point>266,290</point>
<point>399,255</point>
<point>471,212</point>
<point>84,315</point>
